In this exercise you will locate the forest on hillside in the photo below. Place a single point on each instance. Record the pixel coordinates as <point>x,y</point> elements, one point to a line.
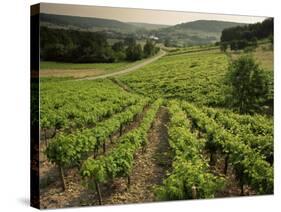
<point>87,47</point>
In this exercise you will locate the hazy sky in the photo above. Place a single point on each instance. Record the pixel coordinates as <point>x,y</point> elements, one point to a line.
<point>141,15</point>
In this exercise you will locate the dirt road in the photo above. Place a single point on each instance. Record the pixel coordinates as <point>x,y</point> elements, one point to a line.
<point>130,69</point>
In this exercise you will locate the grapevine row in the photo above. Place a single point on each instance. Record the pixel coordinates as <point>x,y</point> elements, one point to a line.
<point>71,117</point>
<point>190,177</point>
<point>249,165</point>
<point>261,142</point>
<point>68,149</point>
<point>67,104</point>
<point>258,124</point>
<point>119,162</point>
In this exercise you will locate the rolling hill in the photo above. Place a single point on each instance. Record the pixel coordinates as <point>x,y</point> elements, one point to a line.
<point>94,24</point>
<point>207,25</point>
<point>85,23</point>
<point>189,33</point>
<point>195,32</point>
<point>147,26</point>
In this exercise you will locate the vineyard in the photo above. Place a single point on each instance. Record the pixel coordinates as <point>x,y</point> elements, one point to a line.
<point>159,133</point>
<point>196,77</point>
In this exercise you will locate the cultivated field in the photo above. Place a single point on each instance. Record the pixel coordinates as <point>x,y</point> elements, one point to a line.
<point>80,70</point>
<point>158,133</point>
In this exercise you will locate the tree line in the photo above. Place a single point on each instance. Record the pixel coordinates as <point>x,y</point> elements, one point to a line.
<point>75,46</point>
<point>241,37</point>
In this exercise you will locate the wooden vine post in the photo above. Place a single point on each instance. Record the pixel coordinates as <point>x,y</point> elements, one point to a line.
<point>62,178</point>
<point>226,164</point>
<point>121,129</point>
<point>241,176</point>
<point>213,158</point>
<point>129,181</point>
<point>242,189</point>
<point>104,147</point>
<point>98,191</point>
<point>96,150</point>
<point>45,136</point>
<point>95,153</point>
<point>110,138</point>
<point>143,150</point>
<point>194,192</point>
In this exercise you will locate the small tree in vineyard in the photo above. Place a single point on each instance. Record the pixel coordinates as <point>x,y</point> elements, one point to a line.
<point>249,85</point>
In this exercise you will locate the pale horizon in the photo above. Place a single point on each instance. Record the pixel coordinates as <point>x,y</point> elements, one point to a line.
<point>148,16</point>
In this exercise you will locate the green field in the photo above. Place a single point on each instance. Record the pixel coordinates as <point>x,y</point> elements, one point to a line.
<point>103,66</point>
<point>197,77</point>
<point>263,55</point>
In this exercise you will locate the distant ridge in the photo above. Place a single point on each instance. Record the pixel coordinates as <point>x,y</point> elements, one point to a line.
<point>189,33</point>
<point>148,26</point>
<point>208,25</point>
<point>94,24</point>
<point>89,23</point>
<point>195,32</point>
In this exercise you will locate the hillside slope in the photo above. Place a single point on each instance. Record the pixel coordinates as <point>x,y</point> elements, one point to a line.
<point>94,24</point>
<point>195,32</point>
<point>148,26</point>
<point>84,23</point>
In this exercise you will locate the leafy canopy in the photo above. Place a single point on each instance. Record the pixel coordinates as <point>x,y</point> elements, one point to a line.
<point>249,84</point>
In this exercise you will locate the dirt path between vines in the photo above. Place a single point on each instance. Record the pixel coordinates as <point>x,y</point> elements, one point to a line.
<point>149,169</point>
<point>121,85</point>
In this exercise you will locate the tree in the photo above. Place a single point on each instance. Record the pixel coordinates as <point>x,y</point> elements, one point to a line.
<point>223,46</point>
<point>134,52</point>
<point>118,46</point>
<point>247,32</point>
<point>119,51</point>
<point>254,42</point>
<point>241,44</point>
<point>233,45</point>
<point>167,42</point>
<point>130,41</point>
<point>249,85</point>
<point>149,48</point>
<point>74,46</point>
